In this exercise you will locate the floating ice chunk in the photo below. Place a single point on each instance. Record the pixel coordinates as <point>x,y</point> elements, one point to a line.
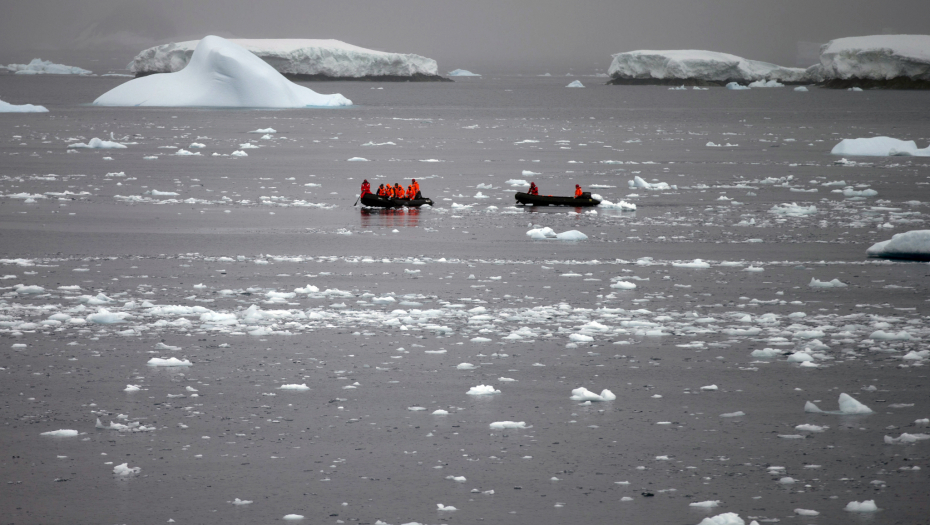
<point>104,316</point>
<point>812,408</point>
<point>580,338</point>
<point>811,428</point>
<point>482,390</point>
<point>32,289</point>
<point>292,517</point>
<point>571,235</point>
<point>96,143</point>
<point>307,289</point>
<point>734,414</point>
<point>502,425</point>
<point>124,470</point>
<point>906,438</point>
<point>238,501</point>
<point>736,86</point>
<point>697,263</point>
<point>220,74</point>
<point>416,409</point>
<point>60,433</point>
<point>575,84</point>
<point>801,89</point>
<point>6,107</point>
<point>709,504</point>
<point>465,366</point>
<point>787,480</point>
<point>462,73</point>
<point>882,335</point>
<point>583,394</point>
<point>848,405</point>
<point>765,353</point>
<point>835,283</point>
<point>806,512</point>
<point>727,518</point>
<point>445,508</point>
<point>622,205</point>
<point>440,412</point>
<point>639,182</point>
<point>800,357</point>
<point>239,153</point>
<point>862,506</point>
<point>623,285</point>
<point>879,147</point>
<point>766,84</point>
<point>518,182</point>
<point>914,244</point>
<point>710,388</point>
<point>793,210</point>
<point>171,361</point>
<point>297,387</point>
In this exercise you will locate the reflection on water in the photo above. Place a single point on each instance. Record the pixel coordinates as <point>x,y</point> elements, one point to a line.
<point>390,217</point>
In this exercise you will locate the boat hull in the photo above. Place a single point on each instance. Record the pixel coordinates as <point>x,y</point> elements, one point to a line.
<point>550,200</point>
<point>376,201</point>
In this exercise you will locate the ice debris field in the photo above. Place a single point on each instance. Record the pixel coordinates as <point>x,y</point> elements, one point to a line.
<point>200,325</point>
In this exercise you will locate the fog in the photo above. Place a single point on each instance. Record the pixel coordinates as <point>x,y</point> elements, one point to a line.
<point>482,35</point>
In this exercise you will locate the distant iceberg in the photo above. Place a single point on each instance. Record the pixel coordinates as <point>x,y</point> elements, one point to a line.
<point>885,61</point>
<point>220,74</point>
<point>575,84</point>
<point>44,67</point>
<point>914,244</point>
<point>301,59</point>
<point>880,147</point>
<point>463,73</point>
<point>6,107</point>
<point>696,67</point>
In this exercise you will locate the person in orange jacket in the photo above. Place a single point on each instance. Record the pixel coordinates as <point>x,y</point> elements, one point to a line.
<point>366,188</point>
<point>578,191</point>
<point>399,191</point>
<point>416,186</point>
<point>534,190</point>
<point>410,193</point>
<point>381,191</point>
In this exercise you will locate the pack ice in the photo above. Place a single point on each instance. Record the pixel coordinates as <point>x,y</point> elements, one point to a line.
<point>220,74</point>
<point>311,57</point>
<point>692,64</point>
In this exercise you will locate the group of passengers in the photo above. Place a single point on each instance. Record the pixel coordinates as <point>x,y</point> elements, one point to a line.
<point>534,190</point>
<point>394,192</point>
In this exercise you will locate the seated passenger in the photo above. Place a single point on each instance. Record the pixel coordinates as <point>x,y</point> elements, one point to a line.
<point>399,191</point>
<point>381,191</point>
<point>410,193</point>
<point>416,187</point>
<point>533,189</point>
<point>578,191</point>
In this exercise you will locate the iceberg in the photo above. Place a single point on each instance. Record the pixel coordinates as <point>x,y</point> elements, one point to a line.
<point>220,74</point>
<point>914,244</point>
<point>895,61</point>
<point>303,59</point>
<point>6,107</point>
<point>879,147</point>
<point>695,67</point>
<point>463,73</point>
<point>575,84</point>
<point>44,67</point>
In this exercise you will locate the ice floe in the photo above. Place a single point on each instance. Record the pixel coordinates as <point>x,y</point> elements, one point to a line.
<point>6,107</point>
<point>583,394</point>
<point>60,433</point>
<point>37,66</point>
<point>914,244</point>
<point>879,147</point>
<point>96,143</point>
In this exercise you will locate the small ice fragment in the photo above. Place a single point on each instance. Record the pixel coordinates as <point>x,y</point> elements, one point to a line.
<point>862,506</point>
<point>61,433</point>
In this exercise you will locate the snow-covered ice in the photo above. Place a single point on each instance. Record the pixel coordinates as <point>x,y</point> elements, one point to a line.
<point>876,57</point>
<point>575,84</point>
<point>6,107</point>
<point>97,143</point>
<point>862,506</point>
<point>879,147</point>
<point>311,57</point>
<point>583,394</point>
<point>711,66</point>
<point>220,74</point>
<point>727,518</point>
<point>482,390</point>
<point>462,73</point>
<point>502,425</point>
<point>914,244</point>
<point>61,433</point>
<point>171,361</point>
<point>37,66</point>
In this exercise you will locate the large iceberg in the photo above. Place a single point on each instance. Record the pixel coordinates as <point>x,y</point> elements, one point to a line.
<point>914,244</point>
<point>220,74</point>
<point>696,67</point>
<point>876,61</point>
<point>302,59</point>
<point>37,66</point>
<point>880,147</point>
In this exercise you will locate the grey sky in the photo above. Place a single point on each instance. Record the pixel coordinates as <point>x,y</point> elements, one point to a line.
<point>525,35</point>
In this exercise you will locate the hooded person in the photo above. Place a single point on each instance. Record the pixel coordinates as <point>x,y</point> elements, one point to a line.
<point>533,189</point>
<point>366,188</point>
<point>578,192</point>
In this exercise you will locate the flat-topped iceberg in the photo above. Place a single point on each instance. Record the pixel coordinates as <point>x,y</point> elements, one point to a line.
<point>696,67</point>
<point>304,59</point>
<point>880,147</point>
<point>37,66</point>
<point>876,61</point>
<point>914,244</point>
<point>220,74</point>
<point>462,73</point>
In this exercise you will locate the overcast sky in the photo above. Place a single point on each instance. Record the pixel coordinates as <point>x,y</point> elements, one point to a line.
<point>520,35</point>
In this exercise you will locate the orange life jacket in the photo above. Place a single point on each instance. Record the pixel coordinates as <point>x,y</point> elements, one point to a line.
<point>416,187</point>
<point>381,190</point>
<point>398,191</point>
<point>410,193</point>
<point>578,192</point>
<point>366,188</point>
